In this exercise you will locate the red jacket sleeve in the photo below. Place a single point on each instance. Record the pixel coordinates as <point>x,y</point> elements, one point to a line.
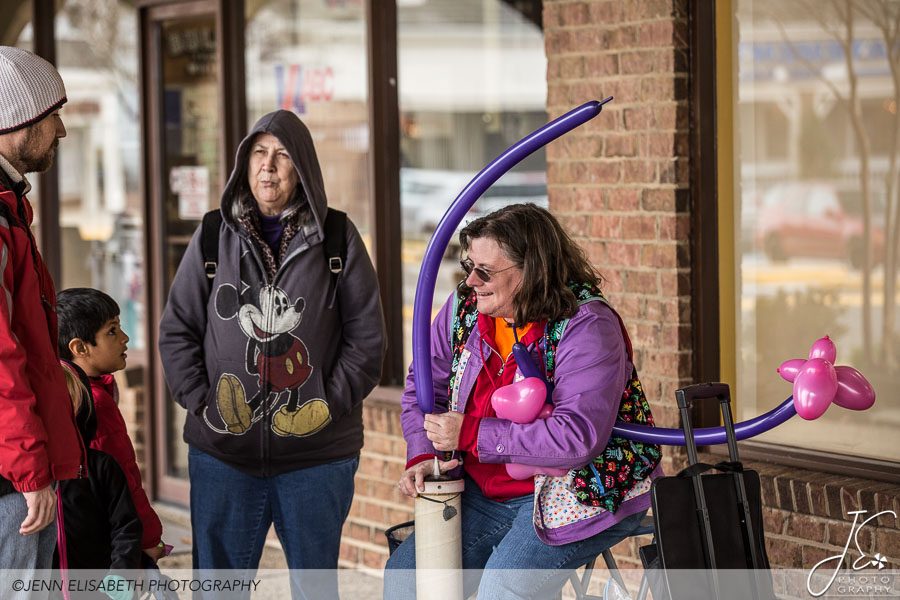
<point>112,438</point>
<point>23,438</point>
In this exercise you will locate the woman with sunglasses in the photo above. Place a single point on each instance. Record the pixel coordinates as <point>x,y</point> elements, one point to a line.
<point>528,282</point>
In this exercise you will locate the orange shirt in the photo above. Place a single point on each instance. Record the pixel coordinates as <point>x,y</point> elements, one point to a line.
<point>503,336</point>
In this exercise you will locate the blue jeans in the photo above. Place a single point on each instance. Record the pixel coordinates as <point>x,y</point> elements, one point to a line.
<point>31,556</point>
<point>499,537</point>
<point>231,513</point>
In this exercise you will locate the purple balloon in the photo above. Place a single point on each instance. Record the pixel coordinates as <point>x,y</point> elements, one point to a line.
<point>789,368</point>
<point>823,348</point>
<point>434,252</point>
<point>854,390</point>
<point>707,436</point>
<point>814,388</point>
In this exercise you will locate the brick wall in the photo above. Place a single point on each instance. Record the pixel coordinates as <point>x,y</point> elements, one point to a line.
<point>620,183</point>
<point>806,520</point>
<point>378,503</point>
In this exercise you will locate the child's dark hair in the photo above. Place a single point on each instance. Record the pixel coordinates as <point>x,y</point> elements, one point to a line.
<point>81,313</point>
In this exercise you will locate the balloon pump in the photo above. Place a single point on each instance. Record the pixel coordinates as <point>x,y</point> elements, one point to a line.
<point>439,566</point>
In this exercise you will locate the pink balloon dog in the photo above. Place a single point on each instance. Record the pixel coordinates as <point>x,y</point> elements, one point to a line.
<point>818,383</point>
<point>523,402</point>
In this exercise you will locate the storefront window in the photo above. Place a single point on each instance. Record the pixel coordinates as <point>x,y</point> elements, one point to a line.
<point>309,57</point>
<point>100,209</point>
<point>15,25</point>
<point>16,30</point>
<point>816,237</point>
<point>190,124</point>
<point>472,82</point>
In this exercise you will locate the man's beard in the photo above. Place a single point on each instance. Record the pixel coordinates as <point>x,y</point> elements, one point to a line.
<point>34,160</point>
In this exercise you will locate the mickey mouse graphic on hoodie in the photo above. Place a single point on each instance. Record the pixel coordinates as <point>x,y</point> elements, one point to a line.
<point>272,359</point>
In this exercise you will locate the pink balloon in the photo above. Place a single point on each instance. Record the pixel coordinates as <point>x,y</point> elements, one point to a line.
<point>823,348</point>
<point>546,411</point>
<point>854,391</point>
<point>517,471</point>
<point>789,368</point>
<point>814,388</point>
<point>520,402</point>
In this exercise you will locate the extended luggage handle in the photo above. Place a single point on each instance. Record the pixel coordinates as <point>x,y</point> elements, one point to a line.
<point>685,398</point>
<point>702,391</point>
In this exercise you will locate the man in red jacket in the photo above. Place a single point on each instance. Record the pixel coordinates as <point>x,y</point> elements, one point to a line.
<point>39,444</point>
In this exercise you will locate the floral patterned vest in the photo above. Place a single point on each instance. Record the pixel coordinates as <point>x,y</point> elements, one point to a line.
<point>606,480</point>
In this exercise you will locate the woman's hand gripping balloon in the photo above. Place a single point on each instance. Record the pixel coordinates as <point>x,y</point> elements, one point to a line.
<point>443,430</point>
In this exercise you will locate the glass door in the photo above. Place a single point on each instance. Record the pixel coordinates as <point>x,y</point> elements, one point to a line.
<point>186,173</point>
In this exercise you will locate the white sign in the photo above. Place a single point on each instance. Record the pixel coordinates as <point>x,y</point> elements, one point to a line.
<point>191,185</point>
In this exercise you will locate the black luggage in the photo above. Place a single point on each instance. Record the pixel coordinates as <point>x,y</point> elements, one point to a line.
<point>709,533</point>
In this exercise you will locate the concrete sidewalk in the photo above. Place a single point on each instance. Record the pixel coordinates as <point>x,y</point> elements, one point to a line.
<point>176,522</point>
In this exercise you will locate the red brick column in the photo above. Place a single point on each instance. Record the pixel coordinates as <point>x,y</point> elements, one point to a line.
<point>377,503</point>
<point>620,183</point>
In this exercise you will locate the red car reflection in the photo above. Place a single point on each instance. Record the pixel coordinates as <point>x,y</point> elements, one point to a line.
<point>809,220</point>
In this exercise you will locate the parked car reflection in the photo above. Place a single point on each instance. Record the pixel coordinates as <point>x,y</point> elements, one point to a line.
<point>814,220</point>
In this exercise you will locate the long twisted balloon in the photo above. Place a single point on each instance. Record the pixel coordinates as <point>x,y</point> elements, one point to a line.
<point>421,333</point>
<point>851,390</point>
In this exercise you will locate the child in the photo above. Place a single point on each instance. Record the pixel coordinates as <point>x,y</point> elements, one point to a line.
<point>91,338</point>
<point>102,528</point>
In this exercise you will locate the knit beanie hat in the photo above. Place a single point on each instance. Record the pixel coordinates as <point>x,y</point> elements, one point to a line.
<point>30,89</point>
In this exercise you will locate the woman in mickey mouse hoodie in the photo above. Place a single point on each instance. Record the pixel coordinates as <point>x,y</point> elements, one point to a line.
<point>272,360</point>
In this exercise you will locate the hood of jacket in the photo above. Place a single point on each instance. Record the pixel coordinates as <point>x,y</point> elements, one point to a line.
<point>296,138</point>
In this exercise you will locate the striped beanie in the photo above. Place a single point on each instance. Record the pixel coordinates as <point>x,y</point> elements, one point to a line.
<point>30,89</point>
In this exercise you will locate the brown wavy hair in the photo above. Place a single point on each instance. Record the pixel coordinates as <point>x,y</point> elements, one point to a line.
<point>535,241</point>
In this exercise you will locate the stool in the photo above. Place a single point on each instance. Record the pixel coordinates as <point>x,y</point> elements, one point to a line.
<point>580,584</point>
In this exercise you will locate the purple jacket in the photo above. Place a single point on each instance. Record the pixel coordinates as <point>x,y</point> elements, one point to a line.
<point>592,369</point>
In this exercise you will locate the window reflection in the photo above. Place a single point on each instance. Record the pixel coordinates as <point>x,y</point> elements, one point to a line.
<point>101,223</point>
<point>16,30</point>
<point>15,25</point>
<point>309,57</point>
<point>472,82</point>
<point>816,177</point>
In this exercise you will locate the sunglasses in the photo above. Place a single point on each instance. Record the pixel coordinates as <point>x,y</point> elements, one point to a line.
<point>483,274</point>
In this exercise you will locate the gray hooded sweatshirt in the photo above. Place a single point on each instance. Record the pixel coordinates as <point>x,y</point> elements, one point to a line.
<point>273,372</point>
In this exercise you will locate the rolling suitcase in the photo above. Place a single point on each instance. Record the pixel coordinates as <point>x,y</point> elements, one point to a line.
<point>709,532</point>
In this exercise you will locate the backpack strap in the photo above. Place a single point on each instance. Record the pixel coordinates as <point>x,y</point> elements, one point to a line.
<point>209,242</point>
<point>335,241</point>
